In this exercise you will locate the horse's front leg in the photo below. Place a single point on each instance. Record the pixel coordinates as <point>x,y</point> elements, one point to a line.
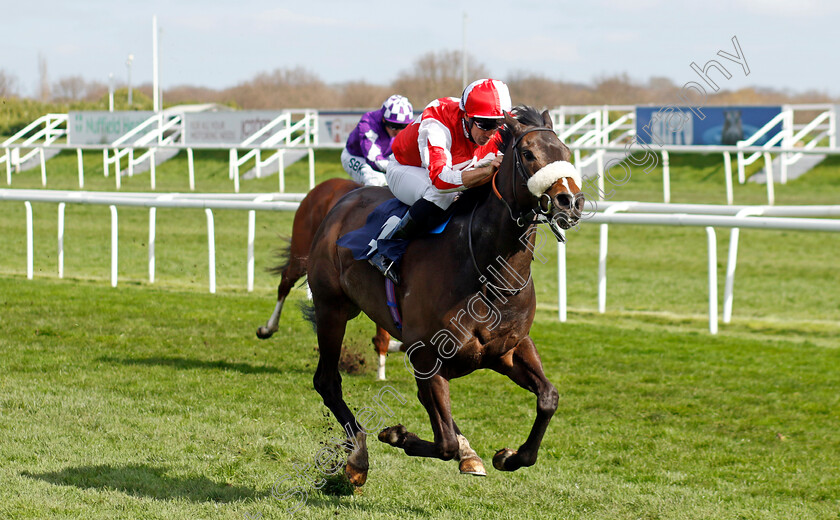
<point>434,395</point>
<point>524,367</point>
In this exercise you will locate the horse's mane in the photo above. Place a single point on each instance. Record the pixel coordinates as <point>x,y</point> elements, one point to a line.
<point>526,115</point>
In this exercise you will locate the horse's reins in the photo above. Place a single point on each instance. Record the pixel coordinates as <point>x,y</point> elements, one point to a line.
<point>529,218</point>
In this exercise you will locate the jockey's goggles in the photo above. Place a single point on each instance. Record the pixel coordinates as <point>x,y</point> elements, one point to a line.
<point>487,124</point>
<point>395,126</point>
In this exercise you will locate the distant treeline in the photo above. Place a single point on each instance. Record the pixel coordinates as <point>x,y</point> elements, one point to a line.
<point>431,76</point>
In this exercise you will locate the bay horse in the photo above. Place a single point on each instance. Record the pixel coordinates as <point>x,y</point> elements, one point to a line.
<point>466,295</point>
<point>309,215</point>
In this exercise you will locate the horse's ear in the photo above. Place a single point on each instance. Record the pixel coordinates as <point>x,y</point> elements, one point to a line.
<point>515,126</point>
<point>547,120</point>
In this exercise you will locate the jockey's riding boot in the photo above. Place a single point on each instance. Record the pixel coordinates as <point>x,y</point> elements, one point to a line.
<point>404,230</point>
<point>420,218</point>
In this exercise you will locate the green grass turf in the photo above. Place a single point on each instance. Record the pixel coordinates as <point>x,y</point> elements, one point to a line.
<point>157,401</point>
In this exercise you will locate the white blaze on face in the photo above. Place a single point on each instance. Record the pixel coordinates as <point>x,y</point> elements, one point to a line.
<point>551,173</point>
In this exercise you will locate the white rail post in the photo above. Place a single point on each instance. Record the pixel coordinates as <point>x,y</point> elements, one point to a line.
<point>232,159</point>
<point>252,224</point>
<point>211,249</point>
<point>727,168</point>
<point>152,167</point>
<point>235,170</point>
<point>8,166</point>
<point>731,263</point>
<point>768,168</point>
<point>191,168</point>
<point>61,240</point>
<point>602,269</point>
<point>114,244</point>
<point>117,173</point>
<point>105,161</point>
<point>311,168</point>
<point>81,166</point>
<point>787,134</point>
<point>281,169</point>
<point>43,167</point>
<point>152,233</point>
<point>561,280</point>
<point>252,227</point>
<point>602,257</point>
<point>599,165</point>
<point>258,164</point>
<point>742,177</point>
<point>666,176</point>
<point>30,239</point>
<point>713,318</point>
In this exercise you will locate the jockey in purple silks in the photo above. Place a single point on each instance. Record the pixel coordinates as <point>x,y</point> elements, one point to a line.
<point>368,148</point>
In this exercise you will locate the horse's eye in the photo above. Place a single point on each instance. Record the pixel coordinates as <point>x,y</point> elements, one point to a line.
<point>528,156</point>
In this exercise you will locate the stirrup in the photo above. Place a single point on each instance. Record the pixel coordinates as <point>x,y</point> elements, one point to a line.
<point>385,266</point>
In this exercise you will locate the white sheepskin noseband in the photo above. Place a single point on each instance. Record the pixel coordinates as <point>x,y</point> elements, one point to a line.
<point>551,173</point>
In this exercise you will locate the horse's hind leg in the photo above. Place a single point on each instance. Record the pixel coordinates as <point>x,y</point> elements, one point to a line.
<point>522,365</point>
<point>294,269</point>
<point>330,324</point>
<point>273,323</point>
<point>380,344</point>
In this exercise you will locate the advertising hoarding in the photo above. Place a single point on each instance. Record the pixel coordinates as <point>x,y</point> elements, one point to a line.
<point>723,125</point>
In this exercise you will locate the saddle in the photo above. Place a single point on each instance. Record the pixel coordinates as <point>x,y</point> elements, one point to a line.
<point>367,240</point>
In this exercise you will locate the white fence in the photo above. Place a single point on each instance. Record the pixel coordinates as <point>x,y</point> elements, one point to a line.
<point>697,215</point>
<point>799,218</point>
<point>250,202</point>
<point>292,130</point>
<point>605,132</point>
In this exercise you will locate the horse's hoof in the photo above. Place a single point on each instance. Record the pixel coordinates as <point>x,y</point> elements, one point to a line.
<point>393,435</point>
<point>264,333</point>
<point>357,476</point>
<point>472,466</point>
<point>501,457</point>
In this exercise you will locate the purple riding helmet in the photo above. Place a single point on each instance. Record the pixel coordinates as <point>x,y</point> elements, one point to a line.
<point>398,110</point>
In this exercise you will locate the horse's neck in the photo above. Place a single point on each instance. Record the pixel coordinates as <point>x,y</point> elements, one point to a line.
<point>501,247</point>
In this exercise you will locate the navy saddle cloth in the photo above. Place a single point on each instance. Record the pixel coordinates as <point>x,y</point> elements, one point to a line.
<point>363,243</point>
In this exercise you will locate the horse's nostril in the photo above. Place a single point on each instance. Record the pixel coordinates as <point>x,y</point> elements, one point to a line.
<point>563,200</point>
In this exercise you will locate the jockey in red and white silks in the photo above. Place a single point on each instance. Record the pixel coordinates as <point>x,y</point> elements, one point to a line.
<point>431,155</point>
<point>441,153</point>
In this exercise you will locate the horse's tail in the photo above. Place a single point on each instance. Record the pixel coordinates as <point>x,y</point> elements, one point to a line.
<point>307,308</point>
<point>283,255</point>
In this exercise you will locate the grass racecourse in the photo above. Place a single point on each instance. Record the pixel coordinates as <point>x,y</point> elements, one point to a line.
<point>157,400</point>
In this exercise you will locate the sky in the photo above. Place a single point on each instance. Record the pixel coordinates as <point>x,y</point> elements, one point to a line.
<point>788,44</point>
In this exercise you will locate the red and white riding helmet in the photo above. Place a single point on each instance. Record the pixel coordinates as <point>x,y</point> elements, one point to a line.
<point>486,98</point>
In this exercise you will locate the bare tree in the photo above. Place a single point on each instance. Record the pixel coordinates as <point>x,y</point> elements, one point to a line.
<point>541,92</point>
<point>70,88</point>
<point>8,85</point>
<point>360,94</point>
<point>284,88</point>
<point>436,74</point>
<point>44,89</point>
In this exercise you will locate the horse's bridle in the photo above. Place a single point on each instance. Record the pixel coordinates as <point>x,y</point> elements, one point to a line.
<point>530,218</point>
